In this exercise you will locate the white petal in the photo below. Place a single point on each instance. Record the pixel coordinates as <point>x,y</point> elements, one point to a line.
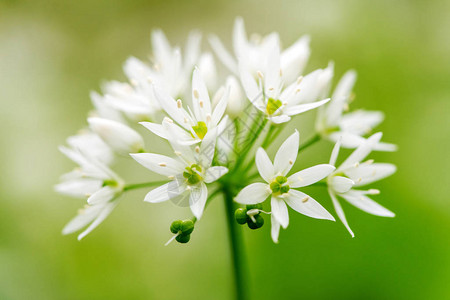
<point>81,220</point>
<point>160,164</point>
<point>165,192</point>
<point>280,119</point>
<point>79,188</point>
<point>239,38</point>
<point>335,152</point>
<point>294,59</point>
<point>340,98</point>
<point>223,54</point>
<point>104,194</point>
<point>214,173</point>
<point>275,229</point>
<point>253,194</point>
<point>367,173</point>
<point>280,211</point>
<point>287,154</point>
<point>361,152</point>
<point>272,78</point>
<point>220,108</point>
<point>340,212</point>
<point>361,201</point>
<point>197,199</point>
<point>264,165</point>
<point>301,108</point>
<point>388,147</point>
<point>157,129</point>
<point>250,86</point>
<point>361,122</point>
<point>341,184</point>
<point>200,97</point>
<point>309,176</point>
<point>118,136</point>
<point>101,217</point>
<point>207,148</point>
<point>171,107</point>
<point>306,205</point>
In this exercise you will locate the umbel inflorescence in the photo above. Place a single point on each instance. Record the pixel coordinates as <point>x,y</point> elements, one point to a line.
<point>219,120</point>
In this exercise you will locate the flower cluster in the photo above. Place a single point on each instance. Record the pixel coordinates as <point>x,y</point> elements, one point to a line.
<point>219,120</point>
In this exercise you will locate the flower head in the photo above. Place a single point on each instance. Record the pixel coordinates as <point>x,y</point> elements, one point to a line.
<point>355,173</point>
<point>282,188</point>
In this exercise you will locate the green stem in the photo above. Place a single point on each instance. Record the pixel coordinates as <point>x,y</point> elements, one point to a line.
<point>309,142</point>
<point>237,250</point>
<point>142,185</point>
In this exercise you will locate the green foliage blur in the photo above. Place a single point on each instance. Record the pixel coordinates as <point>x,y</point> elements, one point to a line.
<point>52,53</point>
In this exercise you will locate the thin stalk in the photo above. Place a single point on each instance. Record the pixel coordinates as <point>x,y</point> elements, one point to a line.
<point>237,248</point>
<point>315,138</point>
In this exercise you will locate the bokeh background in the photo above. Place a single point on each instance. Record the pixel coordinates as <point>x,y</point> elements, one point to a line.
<point>52,53</point>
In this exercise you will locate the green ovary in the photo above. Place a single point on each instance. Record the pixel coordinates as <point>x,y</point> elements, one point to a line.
<point>200,129</point>
<point>272,106</point>
<point>192,174</point>
<point>279,186</point>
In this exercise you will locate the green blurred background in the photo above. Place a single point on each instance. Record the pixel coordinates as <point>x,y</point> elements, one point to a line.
<point>52,53</point>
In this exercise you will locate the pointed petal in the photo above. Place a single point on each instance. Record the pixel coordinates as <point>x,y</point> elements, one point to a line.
<point>101,217</point>
<point>200,97</point>
<point>207,148</point>
<point>160,164</point>
<point>197,199</point>
<point>301,108</point>
<point>367,173</point>
<point>309,176</point>
<point>223,54</point>
<point>335,152</point>
<point>104,194</point>
<point>307,206</point>
<point>157,129</point>
<point>340,212</point>
<point>253,194</point>
<point>287,154</point>
<point>214,173</point>
<point>341,184</point>
<point>280,211</point>
<point>275,229</point>
<point>361,152</point>
<point>264,165</point>
<point>364,203</point>
<point>165,192</point>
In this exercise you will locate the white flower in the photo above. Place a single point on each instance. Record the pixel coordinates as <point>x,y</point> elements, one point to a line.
<point>271,97</point>
<point>118,136</point>
<point>282,188</point>
<point>91,144</point>
<point>188,172</point>
<point>333,124</point>
<point>191,126</point>
<point>96,182</point>
<point>293,59</point>
<point>354,173</point>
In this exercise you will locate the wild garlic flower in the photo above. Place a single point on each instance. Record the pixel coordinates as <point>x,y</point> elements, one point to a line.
<point>269,94</point>
<point>281,187</point>
<point>334,122</point>
<point>218,141</point>
<point>255,51</point>
<point>192,125</point>
<point>92,180</point>
<point>354,173</point>
<point>188,172</point>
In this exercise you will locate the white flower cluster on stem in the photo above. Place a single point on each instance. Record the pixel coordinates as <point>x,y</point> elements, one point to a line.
<point>219,123</point>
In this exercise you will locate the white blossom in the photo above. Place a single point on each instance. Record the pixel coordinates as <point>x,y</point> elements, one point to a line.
<point>353,173</point>
<point>282,189</point>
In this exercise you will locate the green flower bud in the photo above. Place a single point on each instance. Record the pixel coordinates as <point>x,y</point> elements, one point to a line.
<point>275,187</point>
<point>284,189</point>
<point>255,206</point>
<point>241,215</point>
<point>259,222</point>
<point>281,179</point>
<point>175,227</point>
<point>183,238</point>
<point>187,226</point>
